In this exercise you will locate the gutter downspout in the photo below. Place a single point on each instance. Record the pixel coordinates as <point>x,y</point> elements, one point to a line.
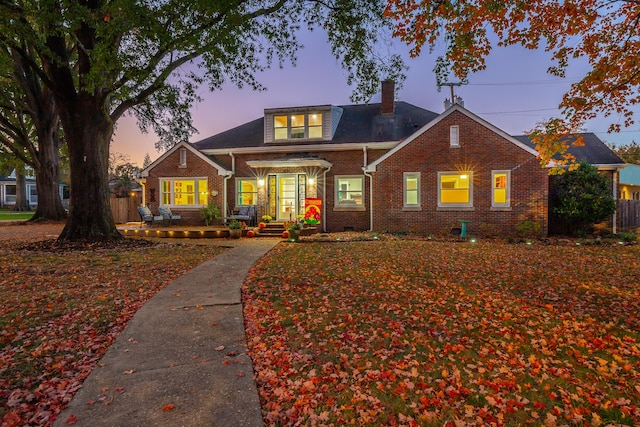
<point>224,186</point>
<point>364,170</point>
<point>324,196</point>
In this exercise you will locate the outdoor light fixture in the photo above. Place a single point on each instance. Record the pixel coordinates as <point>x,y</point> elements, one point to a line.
<point>311,181</point>
<point>261,182</point>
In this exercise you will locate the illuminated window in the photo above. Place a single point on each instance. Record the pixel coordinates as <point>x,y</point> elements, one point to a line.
<point>411,189</point>
<point>280,127</point>
<point>349,191</point>
<point>246,192</point>
<point>184,192</point>
<point>455,189</point>
<point>297,126</point>
<point>501,189</point>
<point>315,125</point>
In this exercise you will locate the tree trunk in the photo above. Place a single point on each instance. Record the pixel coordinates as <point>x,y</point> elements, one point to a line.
<point>22,202</point>
<point>48,171</point>
<point>88,130</point>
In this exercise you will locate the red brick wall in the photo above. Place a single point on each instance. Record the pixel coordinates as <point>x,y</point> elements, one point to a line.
<point>170,168</point>
<point>344,163</point>
<point>480,151</point>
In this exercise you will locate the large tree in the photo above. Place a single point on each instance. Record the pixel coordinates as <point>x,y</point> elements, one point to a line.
<point>630,153</point>
<point>30,129</point>
<point>102,59</point>
<point>606,33</point>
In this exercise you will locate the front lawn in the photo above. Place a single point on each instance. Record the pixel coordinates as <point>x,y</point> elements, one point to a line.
<point>400,332</point>
<point>63,307</point>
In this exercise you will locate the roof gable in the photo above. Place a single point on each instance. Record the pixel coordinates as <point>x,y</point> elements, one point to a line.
<point>221,171</point>
<point>455,108</point>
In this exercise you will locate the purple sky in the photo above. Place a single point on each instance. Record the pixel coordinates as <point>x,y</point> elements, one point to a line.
<point>514,93</point>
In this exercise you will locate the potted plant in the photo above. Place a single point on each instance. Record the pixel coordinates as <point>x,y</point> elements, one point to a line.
<point>294,229</point>
<point>209,212</point>
<point>235,229</point>
<point>267,219</point>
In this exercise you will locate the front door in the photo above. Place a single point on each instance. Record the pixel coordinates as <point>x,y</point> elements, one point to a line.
<point>287,206</point>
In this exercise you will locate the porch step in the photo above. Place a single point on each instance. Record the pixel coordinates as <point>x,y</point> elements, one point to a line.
<point>273,229</point>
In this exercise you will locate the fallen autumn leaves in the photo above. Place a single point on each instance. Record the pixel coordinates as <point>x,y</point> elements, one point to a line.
<point>62,308</point>
<point>432,333</point>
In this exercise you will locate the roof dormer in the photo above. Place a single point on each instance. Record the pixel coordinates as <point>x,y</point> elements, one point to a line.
<point>301,124</point>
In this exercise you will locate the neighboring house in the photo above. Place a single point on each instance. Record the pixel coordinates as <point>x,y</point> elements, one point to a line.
<point>8,190</point>
<point>630,183</point>
<point>390,167</point>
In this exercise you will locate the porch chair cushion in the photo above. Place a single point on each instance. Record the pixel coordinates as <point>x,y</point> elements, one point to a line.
<point>146,216</point>
<point>167,215</point>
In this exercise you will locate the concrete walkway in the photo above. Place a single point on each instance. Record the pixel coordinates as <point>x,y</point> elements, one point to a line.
<point>182,360</point>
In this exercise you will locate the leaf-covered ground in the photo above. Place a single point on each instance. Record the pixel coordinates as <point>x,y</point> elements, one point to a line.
<point>400,332</point>
<point>63,306</point>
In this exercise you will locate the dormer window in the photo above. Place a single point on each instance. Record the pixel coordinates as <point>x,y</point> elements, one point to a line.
<point>297,126</point>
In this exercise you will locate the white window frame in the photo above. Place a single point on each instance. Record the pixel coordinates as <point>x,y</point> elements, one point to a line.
<point>507,204</point>
<point>454,136</point>
<point>306,125</point>
<point>240,179</point>
<point>405,190</point>
<point>348,207</point>
<point>183,157</point>
<point>455,206</point>
<point>172,193</point>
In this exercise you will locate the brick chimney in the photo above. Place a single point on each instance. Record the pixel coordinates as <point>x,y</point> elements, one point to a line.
<point>388,102</point>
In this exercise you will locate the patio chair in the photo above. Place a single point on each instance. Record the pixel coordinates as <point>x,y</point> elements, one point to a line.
<point>246,213</point>
<point>147,217</point>
<point>167,215</point>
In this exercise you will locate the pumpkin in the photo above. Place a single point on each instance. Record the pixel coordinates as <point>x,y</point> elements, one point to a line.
<point>250,233</point>
<point>285,234</point>
<point>262,225</point>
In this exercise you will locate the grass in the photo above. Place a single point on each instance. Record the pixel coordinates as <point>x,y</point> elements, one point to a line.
<point>15,216</point>
<point>61,310</point>
<point>401,332</point>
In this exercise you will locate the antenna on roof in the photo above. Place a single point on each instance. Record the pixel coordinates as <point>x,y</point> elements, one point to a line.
<point>454,99</point>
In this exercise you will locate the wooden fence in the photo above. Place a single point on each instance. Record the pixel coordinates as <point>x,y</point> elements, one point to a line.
<point>628,215</point>
<point>125,209</point>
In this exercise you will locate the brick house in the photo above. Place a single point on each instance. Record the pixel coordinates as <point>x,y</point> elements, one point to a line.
<point>390,166</point>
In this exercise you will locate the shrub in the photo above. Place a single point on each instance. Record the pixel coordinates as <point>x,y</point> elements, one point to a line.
<point>627,237</point>
<point>209,213</point>
<point>581,198</point>
<point>528,228</point>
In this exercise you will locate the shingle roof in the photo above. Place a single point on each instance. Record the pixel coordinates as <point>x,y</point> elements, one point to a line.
<point>594,150</point>
<point>358,124</point>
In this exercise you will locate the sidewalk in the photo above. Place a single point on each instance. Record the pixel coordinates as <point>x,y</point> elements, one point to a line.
<point>182,360</point>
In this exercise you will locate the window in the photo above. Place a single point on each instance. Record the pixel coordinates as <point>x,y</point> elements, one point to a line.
<point>501,189</point>
<point>315,125</point>
<point>411,189</point>
<point>349,191</point>
<point>184,192</point>
<point>297,126</point>
<point>246,192</point>
<point>183,157</point>
<point>454,136</point>
<point>455,190</point>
